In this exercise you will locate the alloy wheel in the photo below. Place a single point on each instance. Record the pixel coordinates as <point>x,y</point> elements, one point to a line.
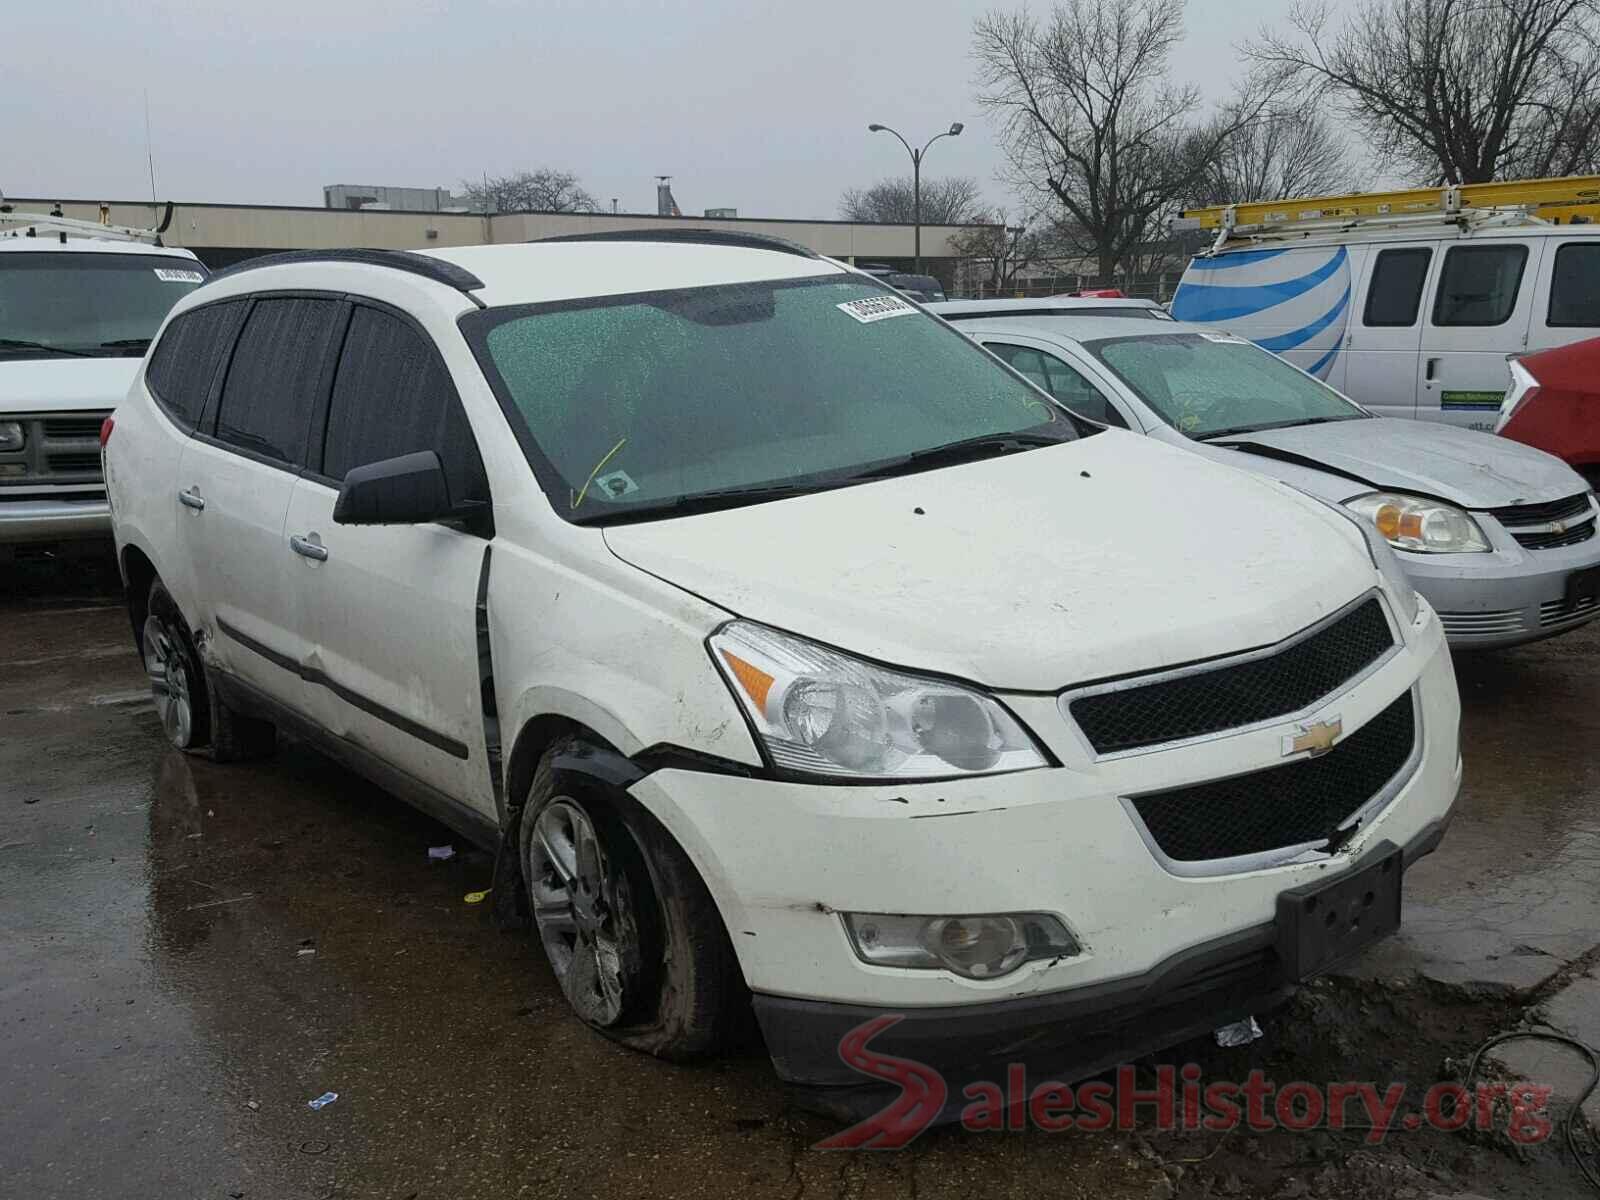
<point>168,669</point>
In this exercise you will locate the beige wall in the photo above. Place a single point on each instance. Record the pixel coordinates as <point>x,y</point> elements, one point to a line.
<point>263,227</point>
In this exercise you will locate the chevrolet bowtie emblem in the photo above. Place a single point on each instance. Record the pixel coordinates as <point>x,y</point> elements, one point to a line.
<point>1316,739</point>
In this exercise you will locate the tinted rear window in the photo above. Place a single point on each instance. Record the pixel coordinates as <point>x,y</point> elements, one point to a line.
<point>1575,286</point>
<point>1478,285</point>
<point>1395,293</point>
<point>275,379</point>
<point>185,360</point>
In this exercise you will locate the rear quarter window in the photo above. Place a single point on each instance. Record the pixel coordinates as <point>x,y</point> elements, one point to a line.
<point>184,362</point>
<point>1575,286</point>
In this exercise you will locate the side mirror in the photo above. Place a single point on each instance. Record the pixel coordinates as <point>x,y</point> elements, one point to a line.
<point>409,490</point>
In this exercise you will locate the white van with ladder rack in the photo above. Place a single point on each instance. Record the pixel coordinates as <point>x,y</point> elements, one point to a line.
<point>79,303</point>
<point>1409,302</point>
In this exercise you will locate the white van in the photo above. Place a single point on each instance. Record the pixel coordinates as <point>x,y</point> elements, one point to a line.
<point>1411,316</point>
<point>79,303</point>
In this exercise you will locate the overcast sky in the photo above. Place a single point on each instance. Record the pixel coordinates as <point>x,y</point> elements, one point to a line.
<point>759,107</point>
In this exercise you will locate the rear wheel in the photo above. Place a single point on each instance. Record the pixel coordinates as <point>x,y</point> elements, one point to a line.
<point>627,925</point>
<point>193,715</point>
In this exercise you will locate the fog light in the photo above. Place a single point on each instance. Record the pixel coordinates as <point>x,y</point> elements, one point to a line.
<point>976,947</point>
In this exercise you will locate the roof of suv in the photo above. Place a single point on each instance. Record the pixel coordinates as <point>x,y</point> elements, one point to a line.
<point>1048,306</point>
<point>539,272</point>
<point>1088,326</point>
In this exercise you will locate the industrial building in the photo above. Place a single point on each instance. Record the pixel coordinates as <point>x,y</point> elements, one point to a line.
<point>222,234</point>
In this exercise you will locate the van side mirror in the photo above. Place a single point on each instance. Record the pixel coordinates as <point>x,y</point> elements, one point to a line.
<point>408,490</point>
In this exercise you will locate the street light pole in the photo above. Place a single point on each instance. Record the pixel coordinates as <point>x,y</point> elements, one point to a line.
<point>916,177</point>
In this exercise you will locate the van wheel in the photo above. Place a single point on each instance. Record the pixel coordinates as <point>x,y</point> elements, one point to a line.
<point>628,927</point>
<point>192,714</point>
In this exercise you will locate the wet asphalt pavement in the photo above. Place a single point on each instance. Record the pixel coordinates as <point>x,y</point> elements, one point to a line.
<point>190,953</point>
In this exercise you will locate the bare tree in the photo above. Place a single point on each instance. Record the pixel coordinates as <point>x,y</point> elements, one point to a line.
<point>1093,123</point>
<point>544,190</point>
<point>1281,155</point>
<point>953,200</point>
<point>1462,91</point>
<point>997,253</point>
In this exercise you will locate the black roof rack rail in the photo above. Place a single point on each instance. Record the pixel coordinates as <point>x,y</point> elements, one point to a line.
<point>708,237</point>
<point>436,269</point>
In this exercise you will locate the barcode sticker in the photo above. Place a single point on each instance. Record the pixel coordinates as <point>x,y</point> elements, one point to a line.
<point>877,308</point>
<point>176,275</point>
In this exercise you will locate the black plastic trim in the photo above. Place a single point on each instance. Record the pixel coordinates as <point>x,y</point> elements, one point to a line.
<point>486,692</point>
<point>705,237</point>
<point>388,716</point>
<point>666,757</point>
<point>436,269</point>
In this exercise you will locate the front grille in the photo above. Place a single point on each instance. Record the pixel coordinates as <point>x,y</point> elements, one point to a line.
<point>1288,805</point>
<point>1556,612</point>
<point>72,427</point>
<point>56,450</point>
<point>1237,693</point>
<point>1465,624</point>
<point>1550,539</point>
<point>1568,509</point>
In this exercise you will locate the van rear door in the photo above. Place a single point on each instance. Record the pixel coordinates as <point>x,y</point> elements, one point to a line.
<point>1386,327</point>
<point>1482,303</point>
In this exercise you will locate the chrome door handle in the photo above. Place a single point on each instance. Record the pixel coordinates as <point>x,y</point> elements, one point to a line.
<point>308,549</point>
<point>192,499</point>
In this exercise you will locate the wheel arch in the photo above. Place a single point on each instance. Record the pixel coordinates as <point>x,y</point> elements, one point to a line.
<point>138,573</point>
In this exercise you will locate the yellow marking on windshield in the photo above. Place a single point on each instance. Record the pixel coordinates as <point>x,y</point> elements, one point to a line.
<point>584,490</point>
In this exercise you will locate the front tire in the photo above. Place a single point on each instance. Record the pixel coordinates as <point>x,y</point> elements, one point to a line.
<point>627,925</point>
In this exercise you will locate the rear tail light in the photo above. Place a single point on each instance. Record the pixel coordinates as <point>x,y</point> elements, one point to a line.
<point>106,427</point>
<point>1524,387</point>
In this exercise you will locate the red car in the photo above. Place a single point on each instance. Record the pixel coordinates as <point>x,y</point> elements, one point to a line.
<point>1554,405</point>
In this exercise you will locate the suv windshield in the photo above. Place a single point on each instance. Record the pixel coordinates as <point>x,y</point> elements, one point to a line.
<point>81,303</point>
<point>669,402</point>
<point>1209,385</point>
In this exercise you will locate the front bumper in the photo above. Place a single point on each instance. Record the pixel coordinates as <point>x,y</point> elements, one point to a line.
<point>1506,596</point>
<point>783,860</point>
<point>1062,1037</point>
<point>53,520</point>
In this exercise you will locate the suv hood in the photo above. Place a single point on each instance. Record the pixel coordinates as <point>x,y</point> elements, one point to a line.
<point>1474,470</point>
<point>44,385</point>
<point>1028,572</point>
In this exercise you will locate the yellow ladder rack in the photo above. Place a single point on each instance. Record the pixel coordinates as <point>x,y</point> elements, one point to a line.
<point>1551,199</point>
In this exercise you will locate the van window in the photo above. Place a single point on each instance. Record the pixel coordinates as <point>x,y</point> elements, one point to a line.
<point>276,375</point>
<point>186,359</point>
<point>1061,381</point>
<point>393,396</point>
<point>1395,293</point>
<point>1575,286</point>
<point>1478,285</point>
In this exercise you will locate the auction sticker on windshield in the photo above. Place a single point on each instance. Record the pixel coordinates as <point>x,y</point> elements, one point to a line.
<point>175,275</point>
<point>877,308</point>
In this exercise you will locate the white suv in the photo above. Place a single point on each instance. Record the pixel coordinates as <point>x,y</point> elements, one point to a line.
<point>76,315</point>
<point>780,639</point>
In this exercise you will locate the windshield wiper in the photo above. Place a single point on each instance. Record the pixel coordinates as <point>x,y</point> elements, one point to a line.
<point>707,501</point>
<point>139,344</point>
<point>986,445</point>
<point>22,344</point>
<point>1296,424</point>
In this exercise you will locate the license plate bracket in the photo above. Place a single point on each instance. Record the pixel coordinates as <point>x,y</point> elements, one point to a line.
<point>1326,922</point>
<point>1582,585</point>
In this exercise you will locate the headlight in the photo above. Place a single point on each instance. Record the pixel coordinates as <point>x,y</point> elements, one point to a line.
<point>1422,526</point>
<point>820,712</point>
<point>975,947</point>
<point>11,437</point>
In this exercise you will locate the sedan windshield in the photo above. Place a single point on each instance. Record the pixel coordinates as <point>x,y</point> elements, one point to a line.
<point>1209,385</point>
<point>648,405</point>
<point>76,303</point>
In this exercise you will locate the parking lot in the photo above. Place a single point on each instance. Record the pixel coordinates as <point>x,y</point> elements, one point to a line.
<point>191,953</point>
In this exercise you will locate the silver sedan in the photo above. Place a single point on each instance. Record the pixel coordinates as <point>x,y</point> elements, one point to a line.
<point>1498,536</point>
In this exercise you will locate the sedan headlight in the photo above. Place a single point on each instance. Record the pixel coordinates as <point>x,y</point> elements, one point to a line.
<point>11,436</point>
<point>820,712</point>
<point>1419,525</point>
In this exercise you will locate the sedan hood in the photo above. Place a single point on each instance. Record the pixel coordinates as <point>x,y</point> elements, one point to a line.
<point>1028,572</point>
<point>48,385</point>
<point>1474,470</point>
